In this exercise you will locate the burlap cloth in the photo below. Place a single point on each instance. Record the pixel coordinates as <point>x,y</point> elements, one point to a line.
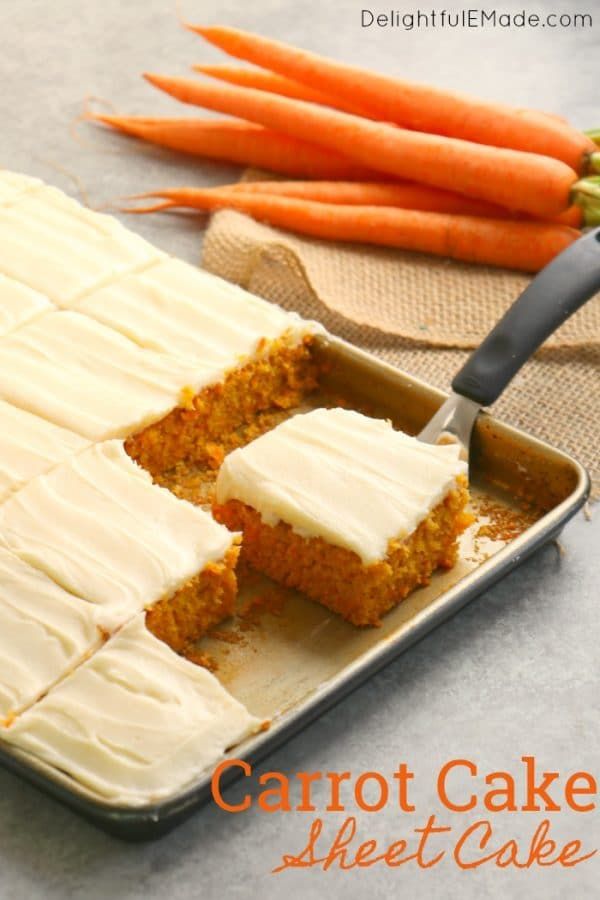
<point>423,315</point>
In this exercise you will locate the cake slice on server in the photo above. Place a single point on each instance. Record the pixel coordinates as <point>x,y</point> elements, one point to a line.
<point>135,723</point>
<point>345,508</point>
<point>98,527</point>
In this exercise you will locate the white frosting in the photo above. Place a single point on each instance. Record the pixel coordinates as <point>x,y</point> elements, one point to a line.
<point>136,723</point>
<point>19,304</point>
<point>90,379</point>
<point>13,184</point>
<point>63,250</point>
<point>179,309</point>
<point>102,529</point>
<point>30,446</point>
<point>338,475</point>
<point>44,633</point>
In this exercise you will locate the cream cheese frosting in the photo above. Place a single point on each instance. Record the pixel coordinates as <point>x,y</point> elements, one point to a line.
<point>19,304</point>
<point>179,309</point>
<point>100,528</point>
<point>336,474</point>
<point>60,248</point>
<point>13,184</point>
<point>30,446</point>
<point>44,633</point>
<point>88,378</point>
<point>135,723</point>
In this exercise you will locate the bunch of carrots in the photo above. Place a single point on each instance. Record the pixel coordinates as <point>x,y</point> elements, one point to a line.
<point>378,160</point>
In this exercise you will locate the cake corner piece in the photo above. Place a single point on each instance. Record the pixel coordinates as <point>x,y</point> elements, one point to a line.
<point>135,723</point>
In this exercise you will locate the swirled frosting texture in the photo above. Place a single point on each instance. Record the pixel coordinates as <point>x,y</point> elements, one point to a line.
<point>135,723</point>
<point>341,476</point>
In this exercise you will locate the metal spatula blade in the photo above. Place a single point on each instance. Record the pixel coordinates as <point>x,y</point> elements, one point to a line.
<point>455,418</point>
<point>558,291</point>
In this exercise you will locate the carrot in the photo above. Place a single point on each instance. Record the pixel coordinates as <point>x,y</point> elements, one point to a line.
<point>263,80</point>
<point>527,246</point>
<point>241,143</point>
<point>406,195</point>
<point>412,105</point>
<point>534,184</point>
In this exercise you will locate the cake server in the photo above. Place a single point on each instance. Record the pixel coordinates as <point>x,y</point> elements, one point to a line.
<point>558,291</point>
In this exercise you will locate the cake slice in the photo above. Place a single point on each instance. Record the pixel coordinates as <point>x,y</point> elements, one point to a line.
<point>260,355</point>
<point>85,377</point>
<point>44,633</point>
<point>345,508</point>
<point>179,309</point>
<point>99,527</point>
<point>30,446</point>
<point>135,723</point>
<point>60,248</point>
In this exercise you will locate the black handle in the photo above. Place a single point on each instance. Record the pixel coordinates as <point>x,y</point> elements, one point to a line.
<point>554,294</point>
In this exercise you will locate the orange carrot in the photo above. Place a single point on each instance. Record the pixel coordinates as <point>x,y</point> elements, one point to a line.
<point>404,194</point>
<point>241,143</point>
<point>263,80</point>
<point>534,184</point>
<point>412,105</point>
<point>527,246</point>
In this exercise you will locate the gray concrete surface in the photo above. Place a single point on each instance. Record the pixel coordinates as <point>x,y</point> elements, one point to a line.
<point>515,674</point>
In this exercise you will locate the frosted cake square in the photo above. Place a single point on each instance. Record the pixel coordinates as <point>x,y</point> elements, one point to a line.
<point>30,446</point>
<point>19,304</point>
<point>345,508</point>
<point>44,633</point>
<point>135,723</point>
<point>60,248</point>
<point>259,354</point>
<point>100,528</point>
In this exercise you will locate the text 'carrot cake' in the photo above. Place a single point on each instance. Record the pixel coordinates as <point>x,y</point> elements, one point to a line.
<point>345,508</point>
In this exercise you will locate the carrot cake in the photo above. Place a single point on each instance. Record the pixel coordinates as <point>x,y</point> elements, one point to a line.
<point>56,246</point>
<point>345,508</point>
<point>13,185</point>
<point>100,528</point>
<point>19,304</point>
<point>261,352</point>
<point>83,376</point>
<point>215,355</point>
<point>30,446</point>
<point>45,632</point>
<point>135,723</point>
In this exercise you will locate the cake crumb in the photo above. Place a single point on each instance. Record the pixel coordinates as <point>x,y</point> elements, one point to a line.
<point>199,658</point>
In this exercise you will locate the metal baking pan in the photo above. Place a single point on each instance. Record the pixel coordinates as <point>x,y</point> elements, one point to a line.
<point>292,666</point>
